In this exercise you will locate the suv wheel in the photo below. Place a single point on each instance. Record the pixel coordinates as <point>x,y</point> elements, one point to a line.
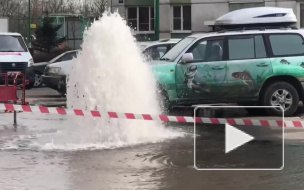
<point>281,94</point>
<point>30,85</point>
<point>164,103</point>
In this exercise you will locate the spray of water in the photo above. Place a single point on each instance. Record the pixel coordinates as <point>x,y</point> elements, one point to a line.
<point>109,74</point>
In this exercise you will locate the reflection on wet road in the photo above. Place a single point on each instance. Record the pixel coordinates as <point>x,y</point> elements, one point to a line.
<point>26,164</point>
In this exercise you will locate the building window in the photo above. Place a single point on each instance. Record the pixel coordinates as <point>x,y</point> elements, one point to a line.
<point>237,6</point>
<point>181,18</point>
<point>132,17</point>
<point>141,18</point>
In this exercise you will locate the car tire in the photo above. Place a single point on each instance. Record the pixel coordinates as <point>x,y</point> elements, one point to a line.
<point>62,87</point>
<point>30,85</point>
<point>38,80</point>
<point>30,76</point>
<point>280,93</point>
<point>62,93</point>
<point>165,103</point>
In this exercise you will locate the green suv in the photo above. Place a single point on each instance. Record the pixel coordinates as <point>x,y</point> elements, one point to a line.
<point>253,67</point>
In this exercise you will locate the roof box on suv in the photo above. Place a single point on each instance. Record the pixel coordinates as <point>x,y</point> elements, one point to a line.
<point>257,17</point>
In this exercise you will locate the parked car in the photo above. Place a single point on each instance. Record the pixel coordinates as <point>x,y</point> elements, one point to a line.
<point>56,70</point>
<point>55,74</point>
<point>15,56</point>
<point>155,50</point>
<point>40,67</point>
<point>247,66</point>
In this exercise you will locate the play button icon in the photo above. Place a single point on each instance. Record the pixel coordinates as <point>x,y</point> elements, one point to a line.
<point>235,138</point>
<point>230,141</point>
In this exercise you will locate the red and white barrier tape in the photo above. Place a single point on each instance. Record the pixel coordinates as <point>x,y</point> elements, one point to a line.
<point>131,116</point>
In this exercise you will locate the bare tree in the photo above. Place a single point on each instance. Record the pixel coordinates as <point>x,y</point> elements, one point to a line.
<point>8,7</point>
<point>36,8</point>
<point>54,6</point>
<point>86,6</point>
<point>73,7</point>
<point>21,10</point>
<point>93,8</point>
<point>100,7</point>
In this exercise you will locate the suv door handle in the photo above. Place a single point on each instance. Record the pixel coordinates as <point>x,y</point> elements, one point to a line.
<point>218,67</point>
<point>262,65</point>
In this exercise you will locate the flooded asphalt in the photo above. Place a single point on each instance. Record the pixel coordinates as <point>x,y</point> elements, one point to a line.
<point>26,165</point>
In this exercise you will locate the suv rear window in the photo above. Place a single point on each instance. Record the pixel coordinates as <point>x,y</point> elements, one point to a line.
<point>286,44</point>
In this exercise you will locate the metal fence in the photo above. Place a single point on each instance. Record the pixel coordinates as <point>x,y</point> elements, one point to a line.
<point>72,28</point>
<point>19,25</point>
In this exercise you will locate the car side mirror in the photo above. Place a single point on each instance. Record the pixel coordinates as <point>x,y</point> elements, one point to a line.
<point>187,58</point>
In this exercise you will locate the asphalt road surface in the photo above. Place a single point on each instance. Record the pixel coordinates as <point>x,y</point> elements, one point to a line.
<point>164,165</point>
<point>44,97</point>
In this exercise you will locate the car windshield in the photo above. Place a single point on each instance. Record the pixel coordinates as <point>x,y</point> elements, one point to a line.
<point>177,49</point>
<point>12,44</point>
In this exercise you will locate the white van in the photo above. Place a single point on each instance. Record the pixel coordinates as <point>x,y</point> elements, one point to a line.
<point>15,56</point>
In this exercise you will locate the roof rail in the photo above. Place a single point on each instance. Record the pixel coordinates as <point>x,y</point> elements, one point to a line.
<point>257,28</point>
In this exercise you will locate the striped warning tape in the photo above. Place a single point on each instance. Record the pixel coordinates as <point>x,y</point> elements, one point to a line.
<point>164,118</point>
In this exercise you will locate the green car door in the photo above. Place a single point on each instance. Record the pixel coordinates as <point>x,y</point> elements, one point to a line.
<point>248,66</point>
<point>204,77</point>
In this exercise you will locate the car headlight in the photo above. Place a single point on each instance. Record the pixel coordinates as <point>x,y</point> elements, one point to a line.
<point>31,63</point>
<point>54,70</point>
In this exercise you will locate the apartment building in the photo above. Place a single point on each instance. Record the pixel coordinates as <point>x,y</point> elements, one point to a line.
<point>179,18</point>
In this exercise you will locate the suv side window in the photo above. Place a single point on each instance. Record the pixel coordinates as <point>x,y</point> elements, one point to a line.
<point>286,44</point>
<point>246,47</point>
<point>207,50</point>
<point>260,49</point>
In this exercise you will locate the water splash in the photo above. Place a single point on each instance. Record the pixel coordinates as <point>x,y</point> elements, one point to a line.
<point>109,74</point>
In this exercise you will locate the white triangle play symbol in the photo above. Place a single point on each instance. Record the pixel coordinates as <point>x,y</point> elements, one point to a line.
<point>235,138</point>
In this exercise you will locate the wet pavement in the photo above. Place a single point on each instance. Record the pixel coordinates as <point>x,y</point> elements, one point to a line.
<point>29,162</point>
<point>44,97</point>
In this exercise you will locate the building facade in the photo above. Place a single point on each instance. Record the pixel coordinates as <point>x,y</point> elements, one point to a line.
<point>179,18</point>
